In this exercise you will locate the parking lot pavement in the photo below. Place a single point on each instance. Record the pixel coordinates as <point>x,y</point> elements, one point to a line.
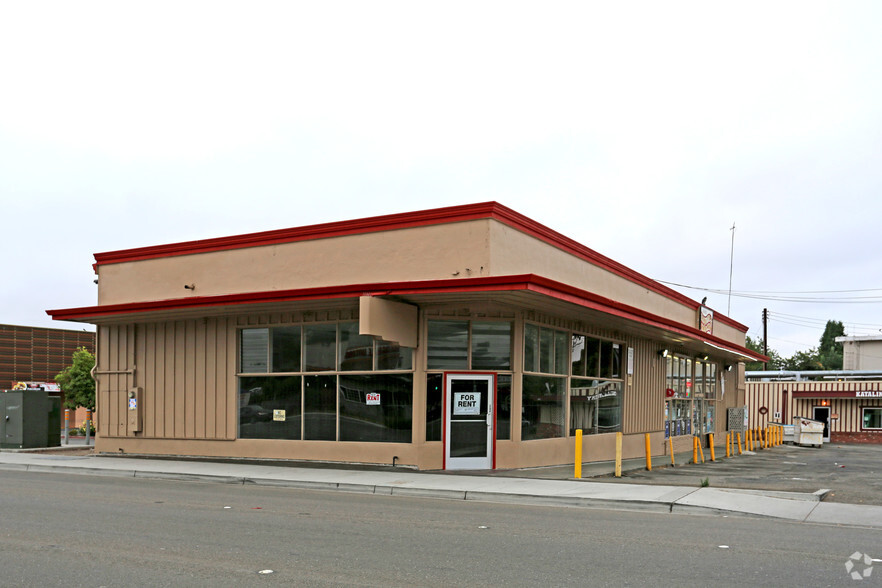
<point>852,473</point>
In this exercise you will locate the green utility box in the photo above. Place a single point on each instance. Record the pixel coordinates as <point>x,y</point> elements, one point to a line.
<point>29,418</point>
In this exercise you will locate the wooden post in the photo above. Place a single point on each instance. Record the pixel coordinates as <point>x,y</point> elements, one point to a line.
<point>619,455</point>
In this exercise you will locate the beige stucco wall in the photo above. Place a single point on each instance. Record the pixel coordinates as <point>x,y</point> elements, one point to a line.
<point>425,253</point>
<point>450,251</point>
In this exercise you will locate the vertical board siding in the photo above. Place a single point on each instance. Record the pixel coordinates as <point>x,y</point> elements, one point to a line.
<point>186,370</point>
<point>771,395</point>
<point>643,408</point>
<point>199,380</point>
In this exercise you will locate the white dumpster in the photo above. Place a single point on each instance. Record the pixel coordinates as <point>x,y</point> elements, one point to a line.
<point>808,431</point>
<point>789,433</point>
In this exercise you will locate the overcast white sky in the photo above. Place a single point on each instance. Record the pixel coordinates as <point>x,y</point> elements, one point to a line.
<point>642,130</point>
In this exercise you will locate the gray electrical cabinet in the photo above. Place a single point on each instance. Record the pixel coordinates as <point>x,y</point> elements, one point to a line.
<point>29,418</point>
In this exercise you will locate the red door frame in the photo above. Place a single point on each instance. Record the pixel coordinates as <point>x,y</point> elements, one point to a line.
<point>445,417</point>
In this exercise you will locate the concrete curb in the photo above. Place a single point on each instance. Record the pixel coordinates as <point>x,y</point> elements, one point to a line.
<point>792,506</point>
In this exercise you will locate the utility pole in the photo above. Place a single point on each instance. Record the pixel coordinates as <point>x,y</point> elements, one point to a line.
<point>731,265</point>
<point>766,337</point>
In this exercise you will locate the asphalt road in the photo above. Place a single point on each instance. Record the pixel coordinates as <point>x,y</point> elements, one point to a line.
<point>78,530</point>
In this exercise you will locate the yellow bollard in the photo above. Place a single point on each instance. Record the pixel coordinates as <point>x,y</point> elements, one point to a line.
<point>618,455</point>
<point>695,450</point>
<point>759,438</point>
<point>700,451</point>
<point>739,443</point>
<point>671,448</point>
<point>710,438</point>
<point>728,444</point>
<point>578,461</point>
<point>648,453</point>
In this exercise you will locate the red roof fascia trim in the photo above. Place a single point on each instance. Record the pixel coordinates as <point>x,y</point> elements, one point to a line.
<point>530,282</point>
<point>589,300</point>
<point>389,222</point>
<point>353,290</point>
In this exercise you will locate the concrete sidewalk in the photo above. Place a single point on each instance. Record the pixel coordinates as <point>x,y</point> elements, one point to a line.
<point>792,506</point>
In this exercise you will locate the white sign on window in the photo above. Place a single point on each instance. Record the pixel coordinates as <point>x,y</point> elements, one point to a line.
<point>278,415</point>
<point>372,398</point>
<point>466,403</point>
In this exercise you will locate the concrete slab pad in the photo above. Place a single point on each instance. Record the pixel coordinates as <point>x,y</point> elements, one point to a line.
<point>724,500</point>
<point>860,515</point>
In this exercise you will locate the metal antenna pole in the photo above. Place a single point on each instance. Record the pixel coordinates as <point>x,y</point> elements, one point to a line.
<point>731,265</point>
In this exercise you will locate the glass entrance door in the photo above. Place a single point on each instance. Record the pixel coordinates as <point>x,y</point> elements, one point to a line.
<point>468,417</point>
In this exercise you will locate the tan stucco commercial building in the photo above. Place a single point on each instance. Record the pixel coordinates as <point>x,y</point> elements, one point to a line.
<point>462,337</point>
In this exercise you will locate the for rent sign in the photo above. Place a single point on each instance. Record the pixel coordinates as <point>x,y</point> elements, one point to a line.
<point>465,403</point>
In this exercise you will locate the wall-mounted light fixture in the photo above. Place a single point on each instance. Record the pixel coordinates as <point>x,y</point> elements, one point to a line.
<point>663,353</point>
<point>728,367</point>
<point>702,357</point>
<point>189,286</point>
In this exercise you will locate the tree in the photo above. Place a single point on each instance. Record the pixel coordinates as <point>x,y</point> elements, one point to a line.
<point>76,381</point>
<point>830,352</point>
<point>776,362</point>
<point>803,361</point>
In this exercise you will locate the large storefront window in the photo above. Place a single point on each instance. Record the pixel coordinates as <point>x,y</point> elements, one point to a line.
<point>691,397</point>
<point>595,406</point>
<point>595,387</point>
<point>269,407</point>
<point>295,404</point>
<point>376,407</point>
<point>546,351</point>
<point>544,407</point>
<point>543,400</point>
<point>872,418</point>
<point>463,345</point>
<point>595,394</point>
<point>678,391</point>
